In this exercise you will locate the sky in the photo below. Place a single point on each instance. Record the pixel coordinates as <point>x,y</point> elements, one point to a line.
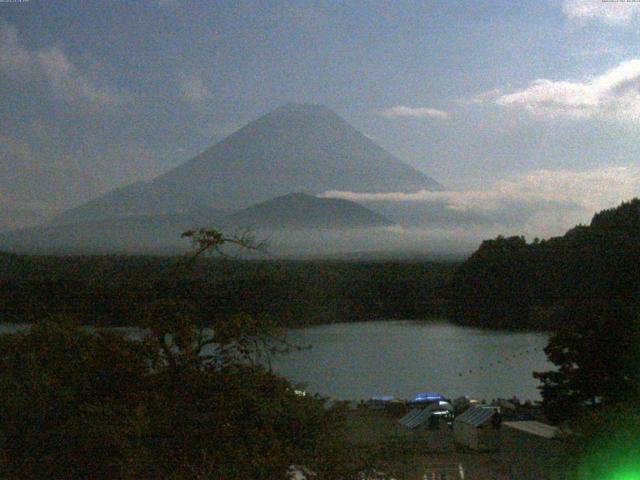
<point>537,101</point>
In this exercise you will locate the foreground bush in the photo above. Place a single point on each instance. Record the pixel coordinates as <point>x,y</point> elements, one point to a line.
<point>82,404</point>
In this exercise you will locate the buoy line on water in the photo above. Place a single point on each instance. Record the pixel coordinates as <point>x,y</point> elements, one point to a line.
<point>503,360</point>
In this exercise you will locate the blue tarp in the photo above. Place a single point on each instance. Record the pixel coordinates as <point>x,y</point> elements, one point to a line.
<point>427,397</point>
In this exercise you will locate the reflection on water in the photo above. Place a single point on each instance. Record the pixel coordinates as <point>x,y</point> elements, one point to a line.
<point>401,358</point>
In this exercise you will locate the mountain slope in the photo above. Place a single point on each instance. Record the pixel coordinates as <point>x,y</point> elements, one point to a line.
<point>298,210</point>
<point>134,234</point>
<point>12,219</point>
<point>295,148</point>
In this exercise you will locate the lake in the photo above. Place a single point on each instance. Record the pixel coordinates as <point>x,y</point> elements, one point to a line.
<point>355,361</point>
<point>401,358</point>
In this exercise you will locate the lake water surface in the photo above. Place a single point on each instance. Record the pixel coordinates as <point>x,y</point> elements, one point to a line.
<point>401,358</point>
<point>354,361</point>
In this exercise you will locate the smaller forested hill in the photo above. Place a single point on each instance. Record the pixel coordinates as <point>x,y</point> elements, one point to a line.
<point>509,283</point>
<point>298,210</point>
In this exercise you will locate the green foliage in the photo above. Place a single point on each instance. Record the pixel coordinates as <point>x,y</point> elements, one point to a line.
<point>492,287</point>
<point>82,404</point>
<point>597,354</point>
<point>117,290</point>
<point>69,402</point>
<point>508,283</point>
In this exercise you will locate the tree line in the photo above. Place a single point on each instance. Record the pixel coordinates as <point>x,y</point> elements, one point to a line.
<point>509,283</point>
<point>112,290</point>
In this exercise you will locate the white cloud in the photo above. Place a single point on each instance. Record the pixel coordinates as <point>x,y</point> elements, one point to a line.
<point>194,90</point>
<point>612,12</point>
<point>554,200</point>
<point>614,94</point>
<point>414,112</point>
<point>52,65</point>
<point>68,83</point>
<point>594,189</point>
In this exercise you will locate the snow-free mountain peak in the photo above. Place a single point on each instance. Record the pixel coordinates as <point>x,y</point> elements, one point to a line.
<point>295,148</point>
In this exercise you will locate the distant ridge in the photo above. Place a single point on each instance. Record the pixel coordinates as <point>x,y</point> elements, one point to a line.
<point>295,148</point>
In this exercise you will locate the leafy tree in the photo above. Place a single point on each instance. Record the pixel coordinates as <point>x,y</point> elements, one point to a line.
<point>492,287</point>
<point>71,402</point>
<point>596,351</point>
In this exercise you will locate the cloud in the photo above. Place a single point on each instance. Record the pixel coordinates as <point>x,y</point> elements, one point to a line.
<point>614,94</point>
<point>52,66</point>
<point>539,203</point>
<point>194,90</point>
<point>68,83</point>
<point>612,12</point>
<point>414,112</point>
<point>593,189</point>
<point>482,97</point>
